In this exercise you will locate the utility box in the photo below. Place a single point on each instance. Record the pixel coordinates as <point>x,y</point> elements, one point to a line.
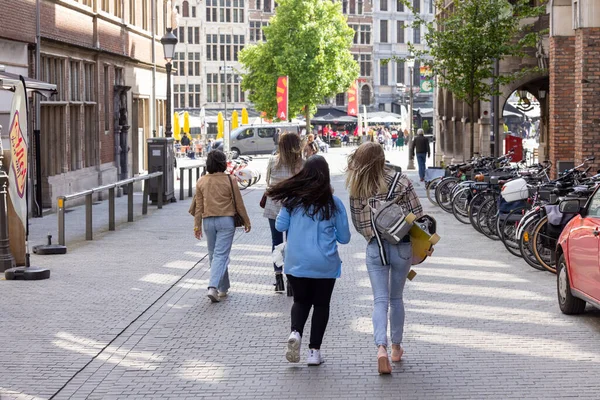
<point>514,142</point>
<point>161,157</point>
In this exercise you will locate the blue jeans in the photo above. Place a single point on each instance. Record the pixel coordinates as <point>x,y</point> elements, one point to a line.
<point>387,282</point>
<point>421,159</point>
<point>219,233</point>
<point>276,239</point>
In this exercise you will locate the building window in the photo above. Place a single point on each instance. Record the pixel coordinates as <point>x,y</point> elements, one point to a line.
<point>400,5</point>
<point>185,9</point>
<point>365,34</point>
<point>417,35</point>
<point>383,31</point>
<point>212,88</point>
<point>175,96</point>
<point>180,33</point>
<point>211,48</point>
<point>197,35</point>
<point>193,96</point>
<point>431,6</point>
<point>88,3</point>
<point>190,35</point>
<point>257,5</point>
<point>230,46</point>
<point>383,5</point>
<point>399,72</point>
<point>131,12</point>
<point>256,32</point>
<point>74,77</point>
<point>118,10</point>
<point>105,5</point>
<point>340,99</point>
<point>267,6</point>
<point>364,61</point>
<point>417,5</point>
<point>193,12</point>
<point>356,29</point>
<point>238,11</point>
<point>107,98</point>
<point>238,45</point>
<point>211,11</point>
<point>359,9</point>
<point>89,117</point>
<point>399,31</point>
<point>383,74</point>
<point>179,63</point>
<point>365,95</point>
<point>145,16</point>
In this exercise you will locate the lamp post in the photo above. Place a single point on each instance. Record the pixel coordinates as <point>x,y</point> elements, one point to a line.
<point>411,161</point>
<point>169,41</point>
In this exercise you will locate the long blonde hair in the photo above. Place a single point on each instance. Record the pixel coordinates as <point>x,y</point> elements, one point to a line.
<point>365,176</point>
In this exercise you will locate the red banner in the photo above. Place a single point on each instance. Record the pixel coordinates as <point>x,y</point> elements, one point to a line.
<point>353,100</point>
<point>282,98</point>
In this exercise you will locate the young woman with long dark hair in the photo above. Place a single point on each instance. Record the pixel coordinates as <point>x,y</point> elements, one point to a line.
<point>286,163</point>
<point>367,178</point>
<point>315,221</point>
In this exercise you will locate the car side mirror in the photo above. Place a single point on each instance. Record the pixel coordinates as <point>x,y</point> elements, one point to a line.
<point>570,206</point>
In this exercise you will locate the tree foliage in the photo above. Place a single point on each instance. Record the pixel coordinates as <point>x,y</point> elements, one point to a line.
<point>470,35</point>
<point>309,41</point>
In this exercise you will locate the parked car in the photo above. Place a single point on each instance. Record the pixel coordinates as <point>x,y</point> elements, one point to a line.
<point>578,255</point>
<point>258,139</point>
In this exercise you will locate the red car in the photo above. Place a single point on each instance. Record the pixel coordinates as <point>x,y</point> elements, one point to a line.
<point>578,255</point>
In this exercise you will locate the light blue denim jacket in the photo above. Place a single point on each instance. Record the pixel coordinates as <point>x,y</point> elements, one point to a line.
<point>311,249</point>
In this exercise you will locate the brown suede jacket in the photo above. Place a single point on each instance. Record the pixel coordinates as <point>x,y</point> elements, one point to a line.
<point>214,199</point>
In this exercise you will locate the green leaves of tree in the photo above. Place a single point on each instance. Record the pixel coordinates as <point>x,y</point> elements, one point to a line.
<point>309,41</point>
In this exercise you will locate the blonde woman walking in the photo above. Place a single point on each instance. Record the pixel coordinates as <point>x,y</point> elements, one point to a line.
<point>367,177</point>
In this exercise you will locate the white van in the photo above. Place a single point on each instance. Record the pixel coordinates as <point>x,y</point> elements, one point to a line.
<point>258,139</point>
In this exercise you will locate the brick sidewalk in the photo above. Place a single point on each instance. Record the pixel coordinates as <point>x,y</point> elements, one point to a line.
<point>480,323</point>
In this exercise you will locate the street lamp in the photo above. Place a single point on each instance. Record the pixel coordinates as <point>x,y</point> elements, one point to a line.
<point>169,41</point>
<point>411,66</point>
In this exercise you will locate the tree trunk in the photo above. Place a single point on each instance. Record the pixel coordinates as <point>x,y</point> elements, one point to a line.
<point>472,128</point>
<point>307,116</point>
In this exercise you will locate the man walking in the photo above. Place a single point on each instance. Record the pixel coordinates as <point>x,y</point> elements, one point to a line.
<point>421,147</point>
<point>276,140</point>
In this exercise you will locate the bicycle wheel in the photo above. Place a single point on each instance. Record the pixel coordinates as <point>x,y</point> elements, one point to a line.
<point>430,189</point>
<point>460,205</point>
<point>525,241</point>
<point>543,245</point>
<point>474,207</point>
<point>508,231</point>
<point>243,183</point>
<point>486,218</point>
<point>443,193</point>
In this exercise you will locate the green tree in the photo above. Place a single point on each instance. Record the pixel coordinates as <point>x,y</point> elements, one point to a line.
<point>309,41</point>
<point>467,39</point>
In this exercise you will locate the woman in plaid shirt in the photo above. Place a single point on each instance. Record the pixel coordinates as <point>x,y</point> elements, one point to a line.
<point>367,177</point>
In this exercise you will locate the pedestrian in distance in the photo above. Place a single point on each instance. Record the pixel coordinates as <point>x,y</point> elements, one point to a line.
<point>368,177</point>
<point>421,147</point>
<point>315,221</point>
<point>400,141</point>
<point>311,148</point>
<point>276,140</point>
<point>285,164</point>
<point>218,199</point>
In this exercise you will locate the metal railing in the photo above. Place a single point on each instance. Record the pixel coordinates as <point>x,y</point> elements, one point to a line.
<point>190,183</point>
<point>88,194</point>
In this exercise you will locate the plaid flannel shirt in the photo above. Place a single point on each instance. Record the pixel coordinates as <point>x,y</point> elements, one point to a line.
<point>404,194</point>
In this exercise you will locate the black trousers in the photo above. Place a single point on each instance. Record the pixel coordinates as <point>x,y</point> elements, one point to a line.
<point>311,293</point>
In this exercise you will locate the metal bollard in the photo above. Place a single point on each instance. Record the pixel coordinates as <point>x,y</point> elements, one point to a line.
<point>111,209</point>
<point>130,202</point>
<point>181,183</point>
<point>61,221</point>
<point>88,217</point>
<point>160,195</point>
<point>190,182</point>
<point>145,199</point>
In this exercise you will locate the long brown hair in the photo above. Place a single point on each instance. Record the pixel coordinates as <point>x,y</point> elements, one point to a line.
<point>365,176</point>
<point>309,190</point>
<point>289,153</point>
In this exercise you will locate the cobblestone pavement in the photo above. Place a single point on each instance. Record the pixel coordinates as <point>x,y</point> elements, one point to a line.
<point>126,316</point>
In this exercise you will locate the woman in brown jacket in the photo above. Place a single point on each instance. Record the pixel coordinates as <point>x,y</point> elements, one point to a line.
<point>214,214</point>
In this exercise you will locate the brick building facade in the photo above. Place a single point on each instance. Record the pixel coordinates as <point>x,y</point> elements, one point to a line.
<point>99,53</point>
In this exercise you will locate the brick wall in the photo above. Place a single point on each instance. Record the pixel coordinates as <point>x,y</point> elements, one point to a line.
<point>587,95</point>
<point>18,20</point>
<point>562,99</point>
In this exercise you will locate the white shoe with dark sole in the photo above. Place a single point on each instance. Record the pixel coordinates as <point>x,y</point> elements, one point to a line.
<point>213,295</point>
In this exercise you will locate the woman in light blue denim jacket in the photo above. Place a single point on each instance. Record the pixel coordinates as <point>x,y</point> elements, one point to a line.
<point>367,177</point>
<point>315,221</point>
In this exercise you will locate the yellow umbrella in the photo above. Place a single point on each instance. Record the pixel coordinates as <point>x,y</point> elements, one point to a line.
<point>176,128</point>
<point>234,119</point>
<point>244,116</point>
<point>220,125</point>
<point>186,122</point>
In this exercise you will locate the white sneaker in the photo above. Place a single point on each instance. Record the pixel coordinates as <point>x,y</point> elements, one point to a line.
<point>213,295</point>
<point>314,357</point>
<point>222,294</point>
<point>292,353</point>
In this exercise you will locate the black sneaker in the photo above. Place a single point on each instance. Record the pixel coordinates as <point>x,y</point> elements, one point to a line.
<point>279,285</point>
